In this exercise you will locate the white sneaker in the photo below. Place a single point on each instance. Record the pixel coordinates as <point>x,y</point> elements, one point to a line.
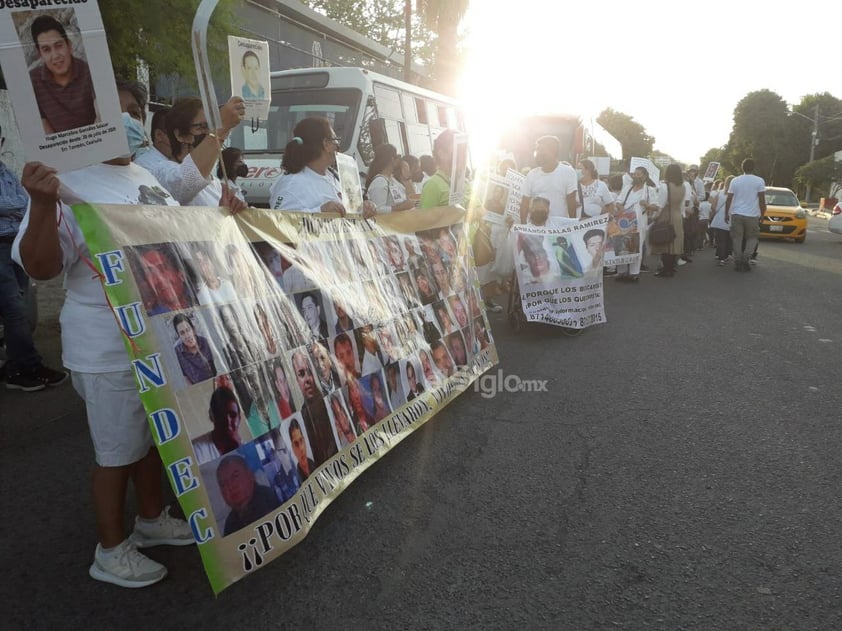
<point>126,567</point>
<point>681,262</point>
<point>752,261</point>
<point>165,531</point>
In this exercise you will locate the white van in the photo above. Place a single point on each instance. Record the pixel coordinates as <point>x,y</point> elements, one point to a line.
<point>365,108</point>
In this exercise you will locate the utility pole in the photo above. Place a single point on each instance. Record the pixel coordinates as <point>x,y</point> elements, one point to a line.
<point>814,140</point>
<point>407,42</point>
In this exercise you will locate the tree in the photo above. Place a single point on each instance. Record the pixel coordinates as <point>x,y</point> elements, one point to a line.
<point>631,134</point>
<point>713,155</point>
<point>819,174</point>
<point>160,35</point>
<point>443,18</point>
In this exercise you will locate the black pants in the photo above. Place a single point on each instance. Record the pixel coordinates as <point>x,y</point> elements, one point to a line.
<point>723,243</point>
<point>668,263</point>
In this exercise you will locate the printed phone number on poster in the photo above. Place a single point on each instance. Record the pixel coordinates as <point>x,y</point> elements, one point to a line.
<point>582,322</point>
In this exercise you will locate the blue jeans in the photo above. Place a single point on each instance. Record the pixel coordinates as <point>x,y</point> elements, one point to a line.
<point>20,349</point>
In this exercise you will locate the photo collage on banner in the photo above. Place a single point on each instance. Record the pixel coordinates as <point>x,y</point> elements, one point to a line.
<point>559,272</point>
<point>280,356</point>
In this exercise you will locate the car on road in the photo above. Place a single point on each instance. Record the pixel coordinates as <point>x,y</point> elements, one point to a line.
<point>784,218</point>
<point>834,224</point>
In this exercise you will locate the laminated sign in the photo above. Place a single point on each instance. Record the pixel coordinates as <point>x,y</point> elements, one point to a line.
<point>278,356</point>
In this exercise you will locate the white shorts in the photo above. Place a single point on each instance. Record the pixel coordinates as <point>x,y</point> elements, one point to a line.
<point>116,418</point>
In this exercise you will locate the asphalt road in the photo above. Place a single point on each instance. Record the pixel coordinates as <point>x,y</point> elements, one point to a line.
<point>682,472</point>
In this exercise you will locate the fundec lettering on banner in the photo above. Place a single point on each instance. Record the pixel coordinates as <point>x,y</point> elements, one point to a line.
<point>56,56</point>
<point>559,272</point>
<point>291,353</point>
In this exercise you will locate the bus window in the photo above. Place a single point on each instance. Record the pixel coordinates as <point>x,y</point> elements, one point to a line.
<point>409,113</point>
<point>433,115</point>
<point>421,109</point>
<point>418,139</point>
<point>394,136</point>
<point>443,120</point>
<point>338,106</point>
<point>452,121</point>
<point>388,102</point>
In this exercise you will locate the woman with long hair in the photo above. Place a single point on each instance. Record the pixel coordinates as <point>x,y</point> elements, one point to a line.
<point>671,202</point>
<point>595,198</point>
<point>308,184</point>
<point>384,190</point>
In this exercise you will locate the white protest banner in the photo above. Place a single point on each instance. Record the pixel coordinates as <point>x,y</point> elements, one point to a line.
<point>249,63</point>
<point>458,169</point>
<point>654,172</point>
<point>349,181</point>
<point>333,340</point>
<point>710,172</point>
<point>58,67</point>
<point>515,181</point>
<point>623,243</point>
<point>559,272</point>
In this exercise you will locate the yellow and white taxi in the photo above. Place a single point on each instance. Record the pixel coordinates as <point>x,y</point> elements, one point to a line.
<point>784,219</point>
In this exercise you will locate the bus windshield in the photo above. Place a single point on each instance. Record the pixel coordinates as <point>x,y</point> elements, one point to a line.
<point>288,107</point>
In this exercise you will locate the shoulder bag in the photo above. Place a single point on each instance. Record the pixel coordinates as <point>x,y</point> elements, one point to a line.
<point>663,232</point>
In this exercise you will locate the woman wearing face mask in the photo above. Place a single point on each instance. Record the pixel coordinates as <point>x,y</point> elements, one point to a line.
<point>232,161</point>
<point>386,192</point>
<point>308,184</point>
<point>595,198</point>
<point>183,164</point>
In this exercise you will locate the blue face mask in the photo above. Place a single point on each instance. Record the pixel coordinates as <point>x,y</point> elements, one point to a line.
<point>135,134</point>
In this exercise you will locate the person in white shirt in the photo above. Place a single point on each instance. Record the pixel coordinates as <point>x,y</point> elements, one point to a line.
<point>307,184</point>
<point>384,191</point>
<point>551,180</point>
<point>184,163</point>
<point>720,228</point>
<point>640,193</point>
<point>744,210</point>
<point>595,196</point>
<point>50,242</point>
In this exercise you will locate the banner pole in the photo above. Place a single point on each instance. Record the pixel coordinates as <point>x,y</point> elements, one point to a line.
<point>200,59</point>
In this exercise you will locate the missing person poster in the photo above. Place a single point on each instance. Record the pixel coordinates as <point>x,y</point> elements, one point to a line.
<point>249,63</point>
<point>559,272</point>
<point>624,236</point>
<point>55,59</point>
<point>711,171</point>
<point>349,181</point>
<point>278,356</point>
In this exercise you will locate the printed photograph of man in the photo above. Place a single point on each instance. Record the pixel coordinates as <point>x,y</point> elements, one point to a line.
<point>410,296</point>
<point>442,359</point>
<point>481,333</point>
<point>238,349</point>
<point>253,89</point>
<point>412,247</point>
<point>161,278</point>
<point>280,469</point>
<point>372,359</point>
<point>567,258</point>
<point>394,253</point>
<point>212,287</point>
<point>389,348</point>
<point>414,388</point>
<point>314,411</point>
<point>248,500</point>
<point>345,351</point>
<point>594,244</point>
<point>326,371</point>
<point>457,307</point>
<point>442,278</point>
<point>343,322</point>
<point>341,422</point>
<point>304,463</point>
<point>397,397</point>
<point>267,331</point>
<point>283,394</point>
<point>535,259</point>
<point>61,80</point>
<point>456,345</point>
<point>193,351</point>
<point>427,369</point>
<point>444,318</point>
<point>374,396</point>
<point>226,417</point>
<point>310,307</point>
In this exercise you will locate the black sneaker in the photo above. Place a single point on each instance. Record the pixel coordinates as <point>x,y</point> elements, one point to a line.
<point>23,381</point>
<point>48,376</point>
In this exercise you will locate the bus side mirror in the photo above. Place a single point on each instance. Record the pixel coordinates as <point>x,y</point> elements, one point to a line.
<point>377,131</point>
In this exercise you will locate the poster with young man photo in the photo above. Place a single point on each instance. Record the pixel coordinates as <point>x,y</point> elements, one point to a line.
<point>249,62</point>
<point>65,98</point>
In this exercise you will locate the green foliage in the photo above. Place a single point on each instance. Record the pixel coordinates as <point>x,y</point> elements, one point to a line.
<point>631,134</point>
<point>819,174</point>
<point>159,34</point>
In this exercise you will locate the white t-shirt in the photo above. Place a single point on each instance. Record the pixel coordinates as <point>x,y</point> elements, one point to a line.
<point>689,194</point>
<point>224,293</point>
<point>554,186</point>
<point>596,196</point>
<point>704,210</point>
<point>90,337</point>
<point>744,189</point>
<point>305,191</point>
<point>208,196</point>
<point>628,197</point>
<point>183,180</point>
<point>386,192</point>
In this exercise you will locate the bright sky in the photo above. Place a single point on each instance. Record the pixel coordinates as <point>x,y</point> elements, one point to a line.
<point>680,77</point>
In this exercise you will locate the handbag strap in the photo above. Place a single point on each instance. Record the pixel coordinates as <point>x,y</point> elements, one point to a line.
<point>669,204</point>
